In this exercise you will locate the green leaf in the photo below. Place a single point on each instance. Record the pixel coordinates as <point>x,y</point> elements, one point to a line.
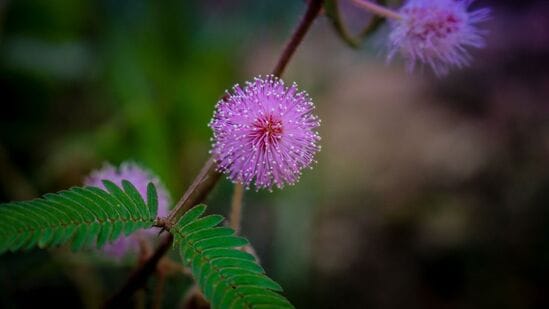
<point>152,200</point>
<point>79,237</point>
<point>229,253</point>
<point>267,299</point>
<point>229,262</point>
<point>124,200</point>
<point>103,235</point>
<point>221,242</point>
<point>228,277</point>
<point>135,197</point>
<point>256,281</point>
<point>202,224</point>
<point>79,216</point>
<point>108,212</point>
<point>259,297</point>
<point>102,196</point>
<point>117,228</point>
<point>94,229</point>
<point>191,215</point>
<point>209,233</point>
<point>86,215</point>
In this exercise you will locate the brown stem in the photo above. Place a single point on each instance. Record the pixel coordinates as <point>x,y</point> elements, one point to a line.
<point>208,176</point>
<point>236,207</point>
<point>199,189</point>
<point>138,279</point>
<point>159,291</point>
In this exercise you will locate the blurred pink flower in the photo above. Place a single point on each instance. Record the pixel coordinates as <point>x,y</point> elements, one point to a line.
<point>140,178</point>
<point>265,133</point>
<point>437,32</point>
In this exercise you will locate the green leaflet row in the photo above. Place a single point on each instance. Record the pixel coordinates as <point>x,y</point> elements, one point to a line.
<point>228,276</point>
<point>79,216</point>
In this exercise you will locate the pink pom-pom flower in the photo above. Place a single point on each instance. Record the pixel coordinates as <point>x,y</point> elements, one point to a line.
<point>264,133</point>
<point>140,178</point>
<point>436,33</point>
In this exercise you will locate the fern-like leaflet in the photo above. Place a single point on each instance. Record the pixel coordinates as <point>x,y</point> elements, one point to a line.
<point>80,215</point>
<point>228,277</point>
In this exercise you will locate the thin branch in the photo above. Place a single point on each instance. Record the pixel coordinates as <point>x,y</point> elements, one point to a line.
<point>297,37</point>
<point>159,291</point>
<point>208,176</point>
<point>377,9</point>
<point>299,33</point>
<point>236,207</point>
<point>199,189</point>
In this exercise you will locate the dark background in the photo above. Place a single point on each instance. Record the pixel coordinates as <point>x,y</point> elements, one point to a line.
<point>428,193</point>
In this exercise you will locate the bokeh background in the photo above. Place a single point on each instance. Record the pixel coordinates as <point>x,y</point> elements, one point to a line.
<point>428,193</point>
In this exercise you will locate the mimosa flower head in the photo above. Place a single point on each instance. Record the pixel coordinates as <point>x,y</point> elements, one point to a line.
<point>264,133</point>
<point>437,33</point>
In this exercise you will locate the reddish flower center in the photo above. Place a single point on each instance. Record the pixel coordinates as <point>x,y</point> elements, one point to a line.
<point>267,130</point>
<point>437,24</point>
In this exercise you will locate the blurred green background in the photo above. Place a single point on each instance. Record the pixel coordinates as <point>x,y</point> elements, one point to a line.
<point>428,193</point>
